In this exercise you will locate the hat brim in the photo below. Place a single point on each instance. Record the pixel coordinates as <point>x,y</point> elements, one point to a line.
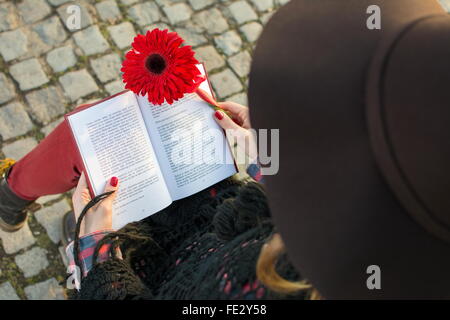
<point>330,202</point>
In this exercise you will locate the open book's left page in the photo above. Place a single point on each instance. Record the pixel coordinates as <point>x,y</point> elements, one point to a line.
<point>113,141</point>
<point>191,147</point>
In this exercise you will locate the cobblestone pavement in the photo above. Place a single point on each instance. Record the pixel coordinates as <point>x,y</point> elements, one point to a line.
<point>46,70</point>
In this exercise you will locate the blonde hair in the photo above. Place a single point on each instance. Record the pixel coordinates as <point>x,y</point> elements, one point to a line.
<point>268,275</point>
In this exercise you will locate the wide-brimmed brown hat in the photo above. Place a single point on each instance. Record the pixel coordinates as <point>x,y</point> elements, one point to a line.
<point>364,120</point>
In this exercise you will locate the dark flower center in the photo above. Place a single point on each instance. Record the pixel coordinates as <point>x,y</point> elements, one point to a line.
<point>155,63</point>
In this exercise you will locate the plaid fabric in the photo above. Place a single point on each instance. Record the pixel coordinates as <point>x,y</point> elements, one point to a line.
<point>254,171</point>
<point>88,243</point>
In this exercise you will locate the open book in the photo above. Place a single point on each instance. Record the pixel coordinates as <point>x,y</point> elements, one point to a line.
<point>159,153</point>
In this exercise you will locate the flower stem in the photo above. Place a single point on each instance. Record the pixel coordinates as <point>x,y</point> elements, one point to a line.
<point>210,100</point>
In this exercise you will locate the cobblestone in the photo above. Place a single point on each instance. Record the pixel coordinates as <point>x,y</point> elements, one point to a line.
<point>107,67</point>
<point>263,5</point>
<point>13,44</point>
<point>46,290</point>
<point>45,199</point>
<point>29,74</point>
<point>33,10</point>
<point>50,127</point>
<point>91,41</point>
<point>57,2</point>
<point>61,59</point>
<point>16,241</point>
<point>225,83</point>
<point>212,21</point>
<point>14,120</point>
<point>210,57</point>
<point>200,4</point>
<point>85,16</point>
<point>252,31</point>
<point>445,4</point>
<point>178,12</point>
<point>51,31</point>
<point>7,91</point>
<point>128,2</point>
<point>164,3</point>
<point>8,17</point>
<point>242,12</point>
<point>108,11</point>
<point>241,63</point>
<point>7,292</point>
<point>190,37</point>
<point>240,98</point>
<point>145,13</point>
<point>46,104</point>
<point>159,25</point>
<point>51,218</point>
<point>19,148</point>
<point>77,84</point>
<point>32,261</point>
<point>229,42</point>
<point>266,17</point>
<point>122,34</point>
<point>115,87</point>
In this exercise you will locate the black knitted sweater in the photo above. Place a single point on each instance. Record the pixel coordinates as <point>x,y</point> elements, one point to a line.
<point>202,247</point>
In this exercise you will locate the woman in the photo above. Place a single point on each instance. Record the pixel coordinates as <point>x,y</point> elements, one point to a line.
<point>205,246</point>
<point>361,199</point>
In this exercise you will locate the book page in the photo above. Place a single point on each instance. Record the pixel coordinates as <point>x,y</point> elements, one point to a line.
<point>191,147</point>
<point>113,141</point>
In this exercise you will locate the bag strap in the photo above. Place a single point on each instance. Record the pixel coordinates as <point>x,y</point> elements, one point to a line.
<point>76,246</point>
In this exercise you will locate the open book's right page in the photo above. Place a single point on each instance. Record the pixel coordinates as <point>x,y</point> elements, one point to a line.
<point>191,148</point>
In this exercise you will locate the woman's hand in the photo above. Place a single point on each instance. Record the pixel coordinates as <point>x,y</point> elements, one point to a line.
<point>238,128</point>
<point>100,216</point>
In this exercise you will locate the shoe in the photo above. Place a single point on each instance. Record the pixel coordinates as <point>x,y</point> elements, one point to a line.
<point>13,209</point>
<point>69,225</point>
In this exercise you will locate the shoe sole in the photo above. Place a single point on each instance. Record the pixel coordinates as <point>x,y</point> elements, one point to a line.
<point>6,227</point>
<point>64,235</point>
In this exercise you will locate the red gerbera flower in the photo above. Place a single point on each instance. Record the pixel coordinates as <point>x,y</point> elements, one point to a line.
<point>158,67</point>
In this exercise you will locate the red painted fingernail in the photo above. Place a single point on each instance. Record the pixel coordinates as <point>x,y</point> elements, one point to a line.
<point>114,181</point>
<point>218,115</point>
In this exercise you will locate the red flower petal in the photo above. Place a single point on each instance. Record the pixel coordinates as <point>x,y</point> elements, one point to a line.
<point>180,74</point>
